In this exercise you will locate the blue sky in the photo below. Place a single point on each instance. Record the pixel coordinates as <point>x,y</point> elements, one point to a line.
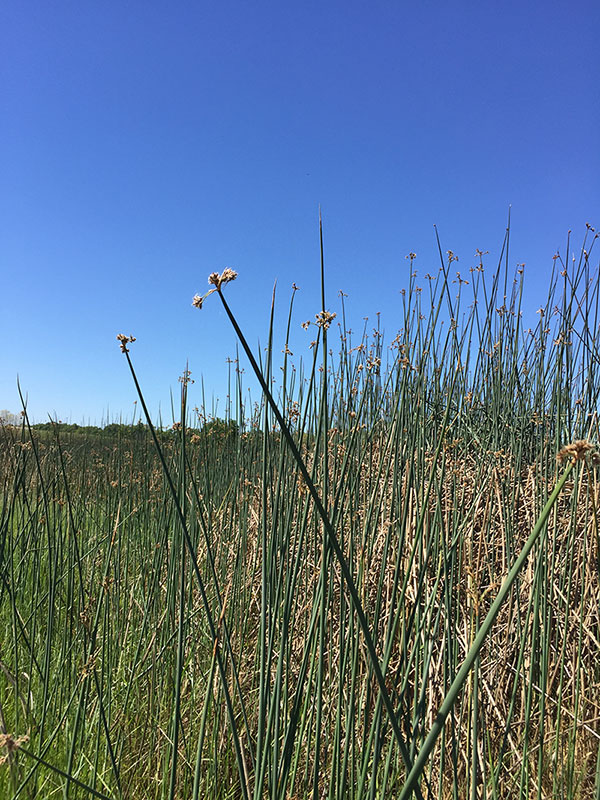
<point>145,145</point>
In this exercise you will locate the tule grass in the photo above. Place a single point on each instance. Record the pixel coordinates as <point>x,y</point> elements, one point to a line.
<point>376,582</point>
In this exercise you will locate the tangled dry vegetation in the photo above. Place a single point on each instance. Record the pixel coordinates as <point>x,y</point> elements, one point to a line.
<point>427,565</point>
<point>538,690</point>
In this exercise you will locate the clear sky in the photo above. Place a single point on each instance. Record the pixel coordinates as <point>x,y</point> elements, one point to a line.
<point>146,144</point>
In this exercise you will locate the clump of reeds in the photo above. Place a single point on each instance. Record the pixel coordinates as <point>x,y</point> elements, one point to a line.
<point>380,581</point>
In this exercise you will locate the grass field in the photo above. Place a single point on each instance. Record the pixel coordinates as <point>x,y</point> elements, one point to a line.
<point>278,606</point>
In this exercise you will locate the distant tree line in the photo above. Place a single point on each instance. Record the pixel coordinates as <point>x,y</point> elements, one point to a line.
<point>215,428</point>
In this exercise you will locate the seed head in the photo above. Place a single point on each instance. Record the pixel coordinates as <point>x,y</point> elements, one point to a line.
<point>197,301</point>
<point>324,319</point>
<point>124,341</point>
<point>225,277</point>
<point>185,378</point>
<point>576,451</point>
<point>11,743</point>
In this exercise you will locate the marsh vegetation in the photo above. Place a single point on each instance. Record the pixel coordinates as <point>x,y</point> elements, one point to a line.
<point>277,605</point>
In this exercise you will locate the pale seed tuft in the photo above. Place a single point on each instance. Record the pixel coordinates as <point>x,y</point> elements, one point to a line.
<point>576,451</point>
<point>124,341</point>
